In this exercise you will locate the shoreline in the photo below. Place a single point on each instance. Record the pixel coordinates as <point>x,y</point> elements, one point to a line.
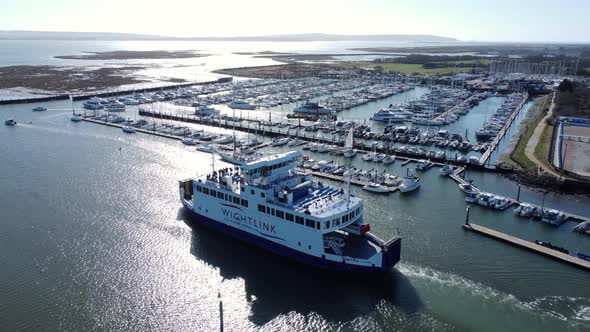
<point>133,55</point>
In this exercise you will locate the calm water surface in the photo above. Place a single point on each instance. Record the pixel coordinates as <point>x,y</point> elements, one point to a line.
<point>94,238</point>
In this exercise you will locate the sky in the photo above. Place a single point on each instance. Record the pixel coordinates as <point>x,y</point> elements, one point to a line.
<point>475,20</point>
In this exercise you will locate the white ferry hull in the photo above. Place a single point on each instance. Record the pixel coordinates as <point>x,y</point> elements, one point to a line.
<point>390,258</point>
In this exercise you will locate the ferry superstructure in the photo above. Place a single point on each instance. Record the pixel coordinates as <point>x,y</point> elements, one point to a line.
<point>268,203</point>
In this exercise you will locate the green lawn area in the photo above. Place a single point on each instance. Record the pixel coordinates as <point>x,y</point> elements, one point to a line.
<point>539,111</point>
<point>482,61</point>
<point>542,148</point>
<point>417,68</point>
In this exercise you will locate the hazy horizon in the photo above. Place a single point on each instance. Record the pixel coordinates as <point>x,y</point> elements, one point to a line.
<point>541,21</point>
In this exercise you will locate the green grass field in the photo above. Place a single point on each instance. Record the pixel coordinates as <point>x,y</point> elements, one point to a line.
<point>482,61</point>
<point>518,156</point>
<point>542,148</point>
<point>417,68</point>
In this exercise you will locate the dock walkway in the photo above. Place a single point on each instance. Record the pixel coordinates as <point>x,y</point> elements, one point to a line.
<point>531,246</point>
<point>341,179</point>
<point>256,127</point>
<point>456,176</point>
<point>488,153</point>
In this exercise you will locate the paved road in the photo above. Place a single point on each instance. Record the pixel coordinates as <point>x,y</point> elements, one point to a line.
<point>529,150</point>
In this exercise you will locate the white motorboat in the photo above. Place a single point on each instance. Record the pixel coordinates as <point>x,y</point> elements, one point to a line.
<point>313,108</point>
<point>409,183</point>
<point>485,199</point>
<point>386,115</point>
<point>93,103</point>
<point>446,170</point>
<point>379,157</point>
<point>188,141</point>
<point>349,153</point>
<point>10,122</point>
<point>241,105</point>
<point>39,109</point>
<point>203,110</point>
<point>296,142</point>
<point>223,140</point>
<point>500,203</point>
<point>423,165</point>
<point>376,188</point>
<point>388,160</point>
<point>470,197</point>
<point>524,210</point>
<point>115,106</point>
<point>127,129</point>
<point>553,217</point>
<point>76,118</point>
<point>468,188</point>
<point>324,148</point>
<point>280,141</point>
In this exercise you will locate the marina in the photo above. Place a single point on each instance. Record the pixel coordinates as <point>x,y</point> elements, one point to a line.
<point>138,149</point>
<point>218,206</point>
<point>457,174</point>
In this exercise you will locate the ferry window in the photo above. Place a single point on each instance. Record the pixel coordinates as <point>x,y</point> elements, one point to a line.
<point>345,218</point>
<point>213,193</point>
<point>326,224</point>
<point>236,200</point>
<point>289,217</point>
<point>252,191</point>
<point>334,222</point>
<point>272,211</point>
<point>317,225</point>
<point>280,214</point>
<point>206,191</point>
<point>199,189</point>
<point>299,220</point>
<point>358,210</point>
<point>244,203</point>
<point>261,208</point>
<point>262,195</point>
<point>226,197</point>
<point>219,195</point>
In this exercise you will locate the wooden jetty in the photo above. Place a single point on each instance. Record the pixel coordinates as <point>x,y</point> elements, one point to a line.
<point>487,154</point>
<point>341,179</point>
<point>255,126</point>
<point>456,176</point>
<point>530,246</point>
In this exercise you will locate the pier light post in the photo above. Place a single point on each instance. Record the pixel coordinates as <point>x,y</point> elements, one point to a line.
<point>467,215</point>
<point>518,194</point>
<point>220,312</point>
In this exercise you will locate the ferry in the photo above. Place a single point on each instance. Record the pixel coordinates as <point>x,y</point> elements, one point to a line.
<point>268,203</point>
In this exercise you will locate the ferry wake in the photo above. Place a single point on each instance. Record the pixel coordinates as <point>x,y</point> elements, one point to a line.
<point>269,203</point>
